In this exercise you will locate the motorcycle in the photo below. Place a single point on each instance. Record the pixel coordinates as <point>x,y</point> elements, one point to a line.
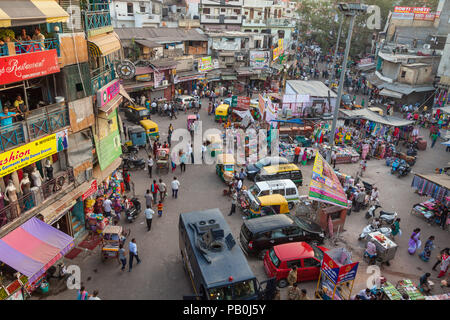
<point>411,151</point>
<point>388,217</point>
<point>403,170</point>
<point>369,229</point>
<point>133,163</point>
<point>132,213</point>
<point>395,165</point>
<point>371,212</point>
<point>130,150</point>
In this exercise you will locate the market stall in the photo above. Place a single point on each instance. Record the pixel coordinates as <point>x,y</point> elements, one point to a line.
<point>427,210</point>
<point>444,296</point>
<point>337,275</point>
<point>386,248</point>
<point>407,287</point>
<point>433,185</point>
<point>29,251</point>
<point>390,292</point>
<point>343,154</point>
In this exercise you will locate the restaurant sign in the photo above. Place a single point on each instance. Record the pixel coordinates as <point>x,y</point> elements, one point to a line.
<point>28,66</point>
<point>108,92</point>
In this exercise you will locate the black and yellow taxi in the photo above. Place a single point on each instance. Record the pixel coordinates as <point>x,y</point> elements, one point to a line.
<point>135,113</point>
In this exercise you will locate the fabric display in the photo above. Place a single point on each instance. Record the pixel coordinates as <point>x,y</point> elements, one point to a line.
<point>425,187</point>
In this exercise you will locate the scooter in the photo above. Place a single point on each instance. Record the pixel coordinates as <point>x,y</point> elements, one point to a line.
<point>403,170</point>
<point>133,163</point>
<point>388,217</point>
<point>132,213</point>
<point>371,212</point>
<point>411,151</point>
<point>369,229</point>
<point>395,165</point>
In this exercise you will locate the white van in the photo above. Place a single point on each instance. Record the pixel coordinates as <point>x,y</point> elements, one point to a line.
<point>285,187</point>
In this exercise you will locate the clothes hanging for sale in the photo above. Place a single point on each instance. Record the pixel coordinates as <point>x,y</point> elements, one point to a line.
<point>426,187</point>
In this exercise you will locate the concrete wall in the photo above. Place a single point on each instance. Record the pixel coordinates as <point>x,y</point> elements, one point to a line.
<point>390,70</point>
<point>81,114</point>
<point>444,66</point>
<point>415,76</point>
<point>405,23</point>
<point>444,20</point>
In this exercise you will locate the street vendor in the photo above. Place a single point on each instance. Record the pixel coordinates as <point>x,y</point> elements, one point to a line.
<point>371,251</point>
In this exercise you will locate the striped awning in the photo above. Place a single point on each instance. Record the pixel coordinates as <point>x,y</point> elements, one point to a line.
<point>103,44</point>
<point>14,13</point>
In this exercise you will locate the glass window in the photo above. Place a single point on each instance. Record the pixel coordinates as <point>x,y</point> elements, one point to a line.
<point>278,233</point>
<point>275,209</point>
<point>318,254</point>
<point>292,263</point>
<point>244,289</point>
<point>290,231</point>
<point>291,191</point>
<point>274,258</point>
<point>310,262</point>
<point>206,11</point>
<point>223,293</point>
<point>264,193</point>
<point>254,190</point>
<point>130,8</point>
<point>278,191</point>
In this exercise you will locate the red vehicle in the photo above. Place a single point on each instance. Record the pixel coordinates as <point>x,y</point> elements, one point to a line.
<point>280,259</point>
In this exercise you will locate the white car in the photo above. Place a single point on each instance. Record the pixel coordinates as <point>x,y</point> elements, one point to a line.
<point>184,100</point>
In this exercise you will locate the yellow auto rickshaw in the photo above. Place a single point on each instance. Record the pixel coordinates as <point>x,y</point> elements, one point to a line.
<point>225,167</point>
<point>151,129</point>
<point>268,205</point>
<point>222,113</point>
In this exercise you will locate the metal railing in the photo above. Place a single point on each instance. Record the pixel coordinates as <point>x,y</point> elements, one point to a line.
<point>32,46</point>
<point>26,202</point>
<point>38,123</point>
<point>102,76</point>
<point>98,18</point>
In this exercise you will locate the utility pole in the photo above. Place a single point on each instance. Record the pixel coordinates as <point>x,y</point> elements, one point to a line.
<point>341,83</point>
<point>337,46</point>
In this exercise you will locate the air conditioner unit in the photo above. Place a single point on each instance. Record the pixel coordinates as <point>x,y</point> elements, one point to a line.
<point>165,82</point>
<point>426,46</point>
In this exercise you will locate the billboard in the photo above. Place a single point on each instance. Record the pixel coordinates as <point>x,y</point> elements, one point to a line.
<point>108,92</point>
<point>108,147</point>
<point>32,152</point>
<point>205,64</point>
<point>28,66</point>
<point>259,59</point>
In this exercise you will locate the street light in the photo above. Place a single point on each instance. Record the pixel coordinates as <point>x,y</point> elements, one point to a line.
<point>349,10</point>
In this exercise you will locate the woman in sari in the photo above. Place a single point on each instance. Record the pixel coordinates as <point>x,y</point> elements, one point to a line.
<point>426,253</point>
<point>304,157</point>
<point>396,228</point>
<point>414,242</point>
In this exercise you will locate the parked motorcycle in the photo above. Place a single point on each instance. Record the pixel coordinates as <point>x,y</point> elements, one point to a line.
<point>370,228</point>
<point>132,213</point>
<point>411,151</point>
<point>133,163</point>
<point>130,150</point>
<point>395,165</point>
<point>388,217</point>
<point>371,212</point>
<point>403,170</point>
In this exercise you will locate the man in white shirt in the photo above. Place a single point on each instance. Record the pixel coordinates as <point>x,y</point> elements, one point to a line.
<point>132,247</point>
<point>94,296</point>
<point>374,195</point>
<point>107,207</point>
<point>239,185</point>
<point>148,217</point>
<point>175,186</point>
<point>165,108</point>
<point>150,165</point>
<point>190,153</point>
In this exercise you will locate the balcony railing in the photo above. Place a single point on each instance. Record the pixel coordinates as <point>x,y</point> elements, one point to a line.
<point>30,46</point>
<point>31,200</point>
<point>38,123</point>
<point>97,16</point>
<point>280,22</point>
<point>102,76</point>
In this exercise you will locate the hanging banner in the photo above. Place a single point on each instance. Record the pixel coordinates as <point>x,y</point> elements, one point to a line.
<point>259,59</point>
<point>92,190</point>
<point>205,64</point>
<point>32,152</point>
<point>27,66</point>
<point>108,92</point>
<point>107,145</point>
<point>325,185</point>
<point>261,104</point>
<point>243,102</point>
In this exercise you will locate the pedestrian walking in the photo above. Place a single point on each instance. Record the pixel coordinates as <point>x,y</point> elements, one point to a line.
<point>304,157</point>
<point>126,179</point>
<point>434,137</point>
<point>148,198</point>
<point>94,296</point>
<point>132,247</point>
<point>297,151</point>
<point>107,207</point>
<point>160,209</point>
<point>444,265</point>
<point>154,189</point>
<point>292,276</point>
<point>183,160</point>
<point>122,257</point>
<point>293,292</point>
<point>191,153</point>
<point>150,165</point>
<point>175,187</point>
<point>414,241</point>
<point>440,256</point>
<point>162,190</point>
<point>426,253</point>
<point>82,294</point>
<point>396,228</point>
<point>148,217</point>
<point>333,158</point>
<point>233,204</point>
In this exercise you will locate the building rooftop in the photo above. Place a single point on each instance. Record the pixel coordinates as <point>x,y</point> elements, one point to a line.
<point>161,35</point>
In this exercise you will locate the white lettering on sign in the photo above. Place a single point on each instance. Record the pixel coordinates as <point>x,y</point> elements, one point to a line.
<point>17,69</point>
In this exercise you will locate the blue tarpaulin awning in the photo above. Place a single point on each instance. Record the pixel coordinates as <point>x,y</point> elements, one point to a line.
<point>295,121</point>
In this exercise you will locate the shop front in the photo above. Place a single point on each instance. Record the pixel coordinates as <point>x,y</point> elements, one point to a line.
<point>26,254</point>
<point>187,81</point>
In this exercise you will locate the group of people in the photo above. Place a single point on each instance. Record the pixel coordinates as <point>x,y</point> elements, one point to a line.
<point>18,111</point>
<point>24,43</point>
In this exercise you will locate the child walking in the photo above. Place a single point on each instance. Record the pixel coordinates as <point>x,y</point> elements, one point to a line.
<point>160,209</point>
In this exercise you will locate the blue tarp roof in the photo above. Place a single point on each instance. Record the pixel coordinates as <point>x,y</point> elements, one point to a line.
<point>296,121</point>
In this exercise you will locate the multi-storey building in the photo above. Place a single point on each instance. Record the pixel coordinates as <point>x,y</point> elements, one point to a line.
<point>221,15</point>
<point>136,13</point>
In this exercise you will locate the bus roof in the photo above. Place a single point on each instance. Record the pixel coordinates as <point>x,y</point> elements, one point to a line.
<point>280,168</point>
<point>226,262</point>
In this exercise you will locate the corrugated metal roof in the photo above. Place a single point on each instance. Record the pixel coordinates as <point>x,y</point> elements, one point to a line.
<point>312,88</point>
<point>161,34</point>
<point>406,35</point>
<point>149,43</point>
<point>375,117</point>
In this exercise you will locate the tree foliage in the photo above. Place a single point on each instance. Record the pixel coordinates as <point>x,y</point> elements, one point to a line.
<point>318,22</point>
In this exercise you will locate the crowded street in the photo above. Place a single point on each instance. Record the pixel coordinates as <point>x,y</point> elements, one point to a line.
<point>189,151</point>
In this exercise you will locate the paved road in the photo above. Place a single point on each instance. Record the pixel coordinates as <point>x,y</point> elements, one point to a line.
<point>161,275</point>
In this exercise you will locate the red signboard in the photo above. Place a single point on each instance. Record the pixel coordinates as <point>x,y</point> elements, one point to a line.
<point>399,9</point>
<point>27,66</point>
<point>92,189</point>
<point>243,102</point>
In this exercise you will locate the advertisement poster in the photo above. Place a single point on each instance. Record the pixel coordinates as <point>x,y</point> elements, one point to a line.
<point>271,113</point>
<point>108,92</point>
<point>261,104</point>
<point>325,185</point>
<point>92,189</point>
<point>32,152</point>
<point>259,59</point>
<point>205,64</point>
<point>159,78</point>
<point>27,66</point>
<point>330,268</point>
<point>243,102</point>
<point>108,147</point>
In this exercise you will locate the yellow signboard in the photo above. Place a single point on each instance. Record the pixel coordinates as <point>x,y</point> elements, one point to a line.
<point>32,152</point>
